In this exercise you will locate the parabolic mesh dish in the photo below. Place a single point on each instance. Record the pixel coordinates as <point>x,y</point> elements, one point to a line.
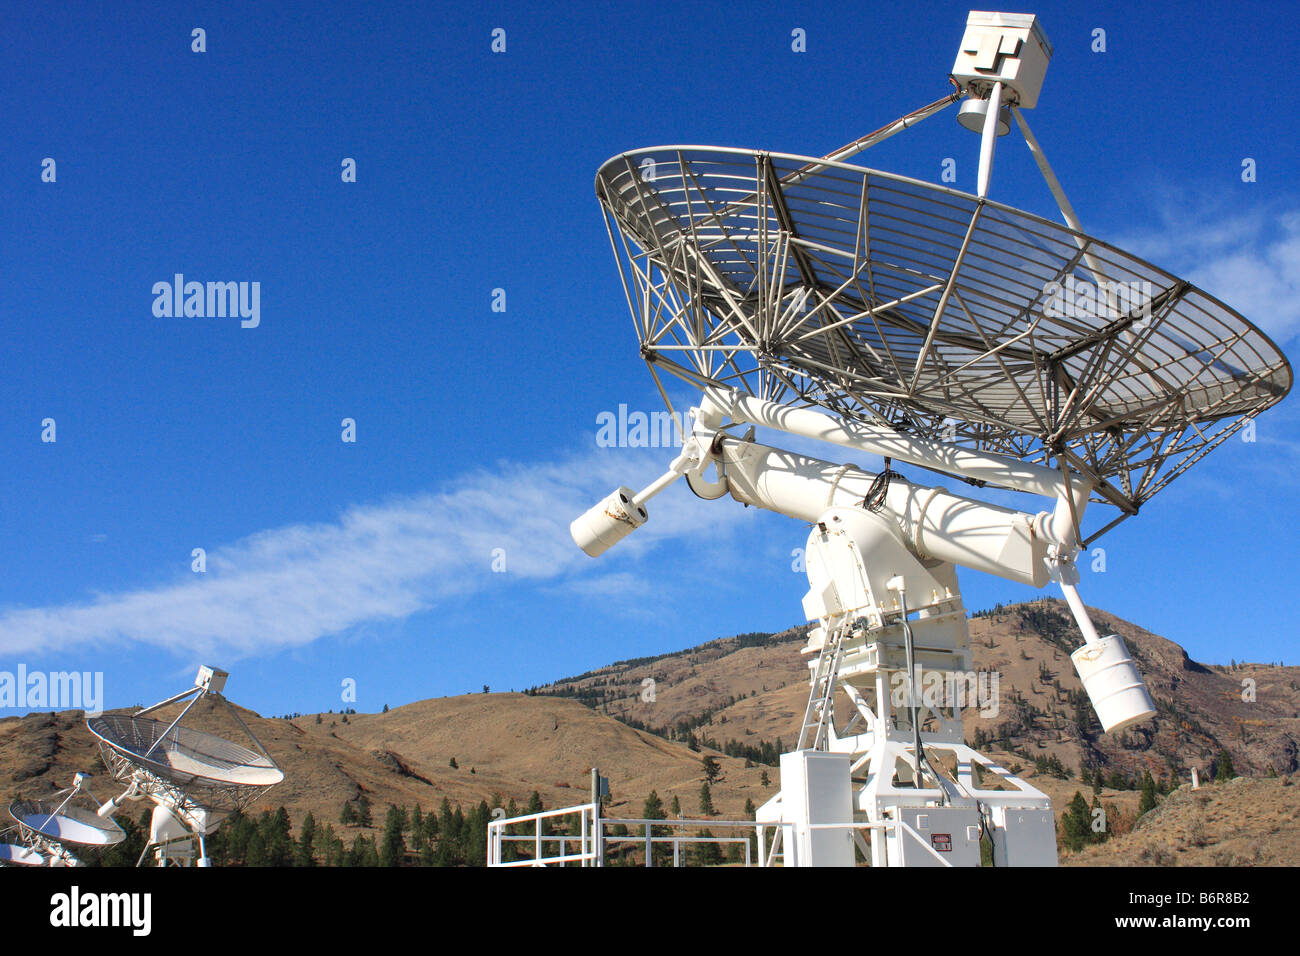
<point>11,854</point>
<point>898,302</point>
<point>211,769</point>
<point>69,825</point>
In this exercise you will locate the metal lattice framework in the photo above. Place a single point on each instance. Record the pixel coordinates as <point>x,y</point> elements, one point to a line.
<point>944,316</point>
<point>188,768</point>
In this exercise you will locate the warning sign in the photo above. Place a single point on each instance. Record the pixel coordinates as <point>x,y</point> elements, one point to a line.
<point>941,842</point>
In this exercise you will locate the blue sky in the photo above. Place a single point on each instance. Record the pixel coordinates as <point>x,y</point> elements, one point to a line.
<point>476,429</point>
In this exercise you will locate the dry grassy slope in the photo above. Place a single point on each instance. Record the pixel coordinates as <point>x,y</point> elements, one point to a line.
<point>1243,822</point>
<point>1201,707</point>
<point>772,679</point>
<point>756,690</point>
<point>514,743</point>
<point>759,692</point>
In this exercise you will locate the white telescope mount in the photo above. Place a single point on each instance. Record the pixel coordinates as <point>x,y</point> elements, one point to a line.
<point>889,634</point>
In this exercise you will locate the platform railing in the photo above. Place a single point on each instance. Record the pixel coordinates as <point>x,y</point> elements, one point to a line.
<point>595,834</point>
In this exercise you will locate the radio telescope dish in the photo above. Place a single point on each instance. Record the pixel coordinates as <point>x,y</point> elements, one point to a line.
<point>212,770</point>
<point>45,828</point>
<point>66,824</point>
<point>11,854</point>
<point>194,778</point>
<point>929,326</point>
<point>933,312</point>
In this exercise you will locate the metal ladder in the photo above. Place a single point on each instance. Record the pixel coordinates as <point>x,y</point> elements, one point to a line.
<point>821,696</point>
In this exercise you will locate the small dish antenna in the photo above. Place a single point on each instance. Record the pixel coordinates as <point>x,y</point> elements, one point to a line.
<point>943,330</point>
<point>47,830</point>
<point>15,854</point>
<point>195,779</point>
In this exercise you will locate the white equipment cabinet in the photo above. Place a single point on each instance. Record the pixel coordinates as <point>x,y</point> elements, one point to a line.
<point>935,836</point>
<point>815,789</point>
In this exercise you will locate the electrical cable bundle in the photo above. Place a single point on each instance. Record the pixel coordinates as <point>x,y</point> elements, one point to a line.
<point>875,498</point>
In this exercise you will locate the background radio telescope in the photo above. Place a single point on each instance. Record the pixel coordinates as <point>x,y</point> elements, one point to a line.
<point>195,779</point>
<point>49,832</point>
<point>945,330</point>
<point>16,854</point>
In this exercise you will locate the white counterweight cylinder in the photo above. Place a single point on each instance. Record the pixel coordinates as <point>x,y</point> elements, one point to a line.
<point>1116,689</point>
<point>598,529</point>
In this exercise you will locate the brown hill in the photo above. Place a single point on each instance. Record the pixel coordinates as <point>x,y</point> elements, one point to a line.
<point>506,745</point>
<point>1244,822</point>
<point>512,744</point>
<point>743,694</point>
<point>753,688</point>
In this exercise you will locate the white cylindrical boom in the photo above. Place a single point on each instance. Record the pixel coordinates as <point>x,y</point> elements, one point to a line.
<point>934,522</point>
<point>993,469</point>
<point>989,141</point>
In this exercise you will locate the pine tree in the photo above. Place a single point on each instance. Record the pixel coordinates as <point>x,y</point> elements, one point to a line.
<point>707,854</point>
<point>653,809</point>
<point>706,800</point>
<point>763,779</point>
<point>451,835</point>
<point>1224,772</point>
<point>392,849</point>
<point>305,851</point>
<point>349,815</point>
<point>331,847</point>
<point>712,770</point>
<point>417,829</point>
<point>535,805</point>
<point>277,838</point>
<point>476,854</point>
<point>1076,829</point>
<point>675,808</point>
<point>363,811</point>
<point>255,855</point>
<point>1147,801</point>
<point>362,853</point>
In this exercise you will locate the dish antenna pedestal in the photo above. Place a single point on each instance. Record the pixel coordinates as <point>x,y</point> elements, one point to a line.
<point>961,336</point>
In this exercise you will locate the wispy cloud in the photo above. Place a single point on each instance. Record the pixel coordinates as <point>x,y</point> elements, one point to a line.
<point>292,585</point>
<point>1248,258</point>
